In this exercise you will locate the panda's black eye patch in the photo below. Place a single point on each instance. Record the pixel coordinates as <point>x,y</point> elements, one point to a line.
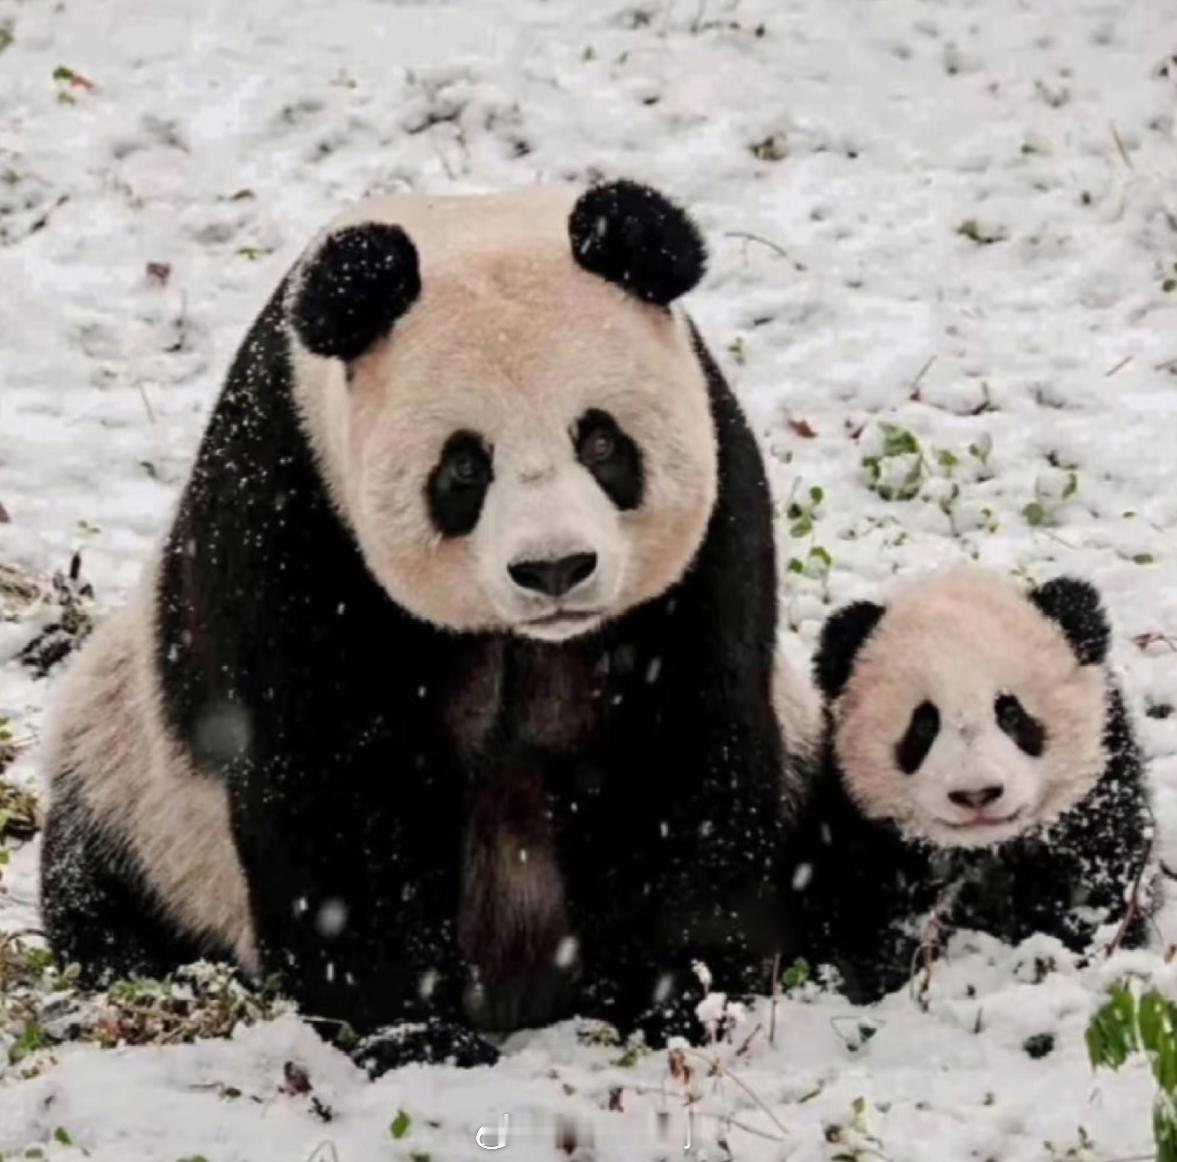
<point>457,485</point>
<point>611,456</point>
<point>913,747</point>
<point>1022,727</point>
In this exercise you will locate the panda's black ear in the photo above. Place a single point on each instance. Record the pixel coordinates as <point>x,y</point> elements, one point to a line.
<point>1076,607</point>
<point>842,637</point>
<point>354,288</point>
<point>635,237</point>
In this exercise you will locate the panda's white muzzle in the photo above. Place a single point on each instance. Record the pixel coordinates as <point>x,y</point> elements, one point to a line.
<point>551,553</point>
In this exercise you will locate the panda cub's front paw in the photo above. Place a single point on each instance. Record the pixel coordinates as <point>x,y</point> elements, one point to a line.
<point>424,1043</point>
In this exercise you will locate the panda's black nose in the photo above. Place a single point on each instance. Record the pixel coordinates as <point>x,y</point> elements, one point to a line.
<point>555,577</point>
<point>979,798</point>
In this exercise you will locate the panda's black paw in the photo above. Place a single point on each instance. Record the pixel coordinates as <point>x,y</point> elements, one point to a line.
<point>422,1043</point>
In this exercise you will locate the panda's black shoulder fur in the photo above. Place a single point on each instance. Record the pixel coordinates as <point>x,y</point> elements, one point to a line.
<point>862,895</point>
<point>288,672</point>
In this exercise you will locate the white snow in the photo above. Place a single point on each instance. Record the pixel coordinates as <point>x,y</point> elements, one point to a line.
<point>952,216</point>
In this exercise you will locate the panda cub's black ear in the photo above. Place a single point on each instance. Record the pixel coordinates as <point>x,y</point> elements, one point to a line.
<point>1076,607</point>
<point>354,288</point>
<point>635,237</point>
<point>842,636</point>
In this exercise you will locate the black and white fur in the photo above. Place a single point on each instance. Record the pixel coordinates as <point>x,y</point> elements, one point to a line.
<point>979,767</point>
<point>449,697</point>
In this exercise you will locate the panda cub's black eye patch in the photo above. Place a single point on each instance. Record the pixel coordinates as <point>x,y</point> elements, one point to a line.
<point>1022,727</point>
<point>611,456</point>
<point>913,747</point>
<point>457,485</point>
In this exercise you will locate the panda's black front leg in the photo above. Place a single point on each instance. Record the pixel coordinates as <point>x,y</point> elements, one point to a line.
<point>653,985</point>
<point>354,907</point>
<point>694,883</point>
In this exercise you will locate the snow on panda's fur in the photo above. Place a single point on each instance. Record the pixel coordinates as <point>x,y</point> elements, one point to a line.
<point>979,764</point>
<point>450,695</point>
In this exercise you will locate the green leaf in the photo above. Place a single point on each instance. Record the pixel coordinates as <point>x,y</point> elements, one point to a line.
<point>898,441</point>
<point>1144,559</point>
<point>1157,1022</point>
<point>1151,1021</point>
<point>63,73</point>
<point>1035,514</point>
<point>816,495</point>
<point>796,974</point>
<point>947,459</point>
<point>31,1039</point>
<point>400,1125</point>
<point>822,554</point>
<point>1164,1129</point>
<point>272,986</point>
<point>802,528</point>
<point>795,565</point>
<point>1111,1035</point>
<point>61,1134</point>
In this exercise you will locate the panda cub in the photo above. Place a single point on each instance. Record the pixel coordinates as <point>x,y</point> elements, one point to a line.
<point>449,696</point>
<point>978,766</point>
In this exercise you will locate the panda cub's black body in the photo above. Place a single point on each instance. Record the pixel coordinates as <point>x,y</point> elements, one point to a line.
<point>449,698</point>
<point>979,771</point>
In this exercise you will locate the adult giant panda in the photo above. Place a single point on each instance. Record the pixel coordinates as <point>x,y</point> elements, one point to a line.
<point>979,771</point>
<point>449,696</point>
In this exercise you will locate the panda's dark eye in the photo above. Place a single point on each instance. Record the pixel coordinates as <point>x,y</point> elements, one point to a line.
<point>468,468</point>
<point>611,456</point>
<point>457,485</point>
<point>1025,730</point>
<point>913,747</point>
<point>597,447</point>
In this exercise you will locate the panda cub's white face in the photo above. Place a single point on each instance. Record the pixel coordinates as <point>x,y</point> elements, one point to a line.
<point>531,449</point>
<point>968,718</point>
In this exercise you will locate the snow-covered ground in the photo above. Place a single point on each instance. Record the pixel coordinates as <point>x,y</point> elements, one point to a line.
<point>956,216</point>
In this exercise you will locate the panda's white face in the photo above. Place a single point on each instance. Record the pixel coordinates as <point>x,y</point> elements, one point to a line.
<point>531,450</point>
<point>967,718</point>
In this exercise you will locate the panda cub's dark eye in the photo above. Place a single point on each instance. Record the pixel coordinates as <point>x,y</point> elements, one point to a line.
<point>1025,730</point>
<point>468,468</point>
<point>457,485</point>
<point>921,732</point>
<point>611,456</point>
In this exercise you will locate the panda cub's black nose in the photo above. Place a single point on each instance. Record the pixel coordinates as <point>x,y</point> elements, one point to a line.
<point>556,577</point>
<point>981,798</point>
